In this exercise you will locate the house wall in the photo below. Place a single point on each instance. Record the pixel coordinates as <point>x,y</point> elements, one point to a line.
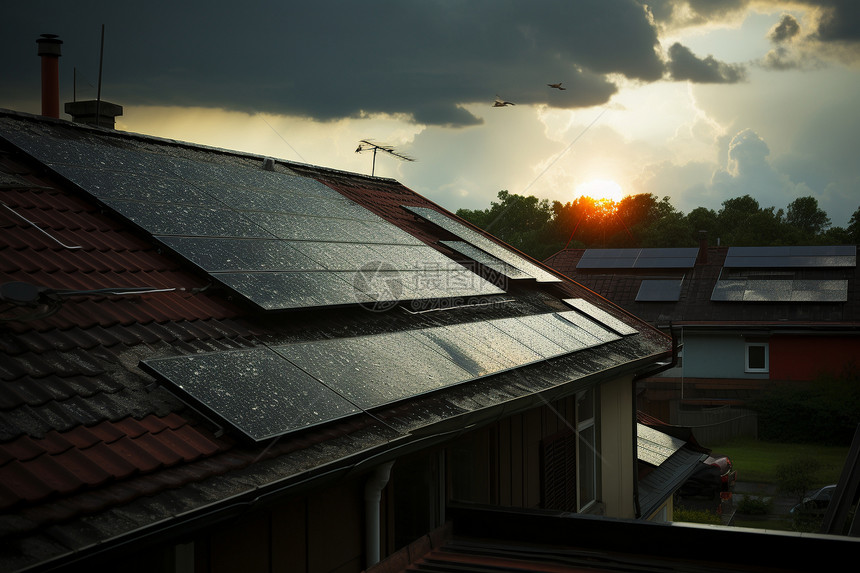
<point>616,448</point>
<point>716,355</point>
<point>803,357</point>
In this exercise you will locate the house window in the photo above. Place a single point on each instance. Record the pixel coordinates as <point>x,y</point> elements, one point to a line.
<point>586,449</point>
<point>756,357</point>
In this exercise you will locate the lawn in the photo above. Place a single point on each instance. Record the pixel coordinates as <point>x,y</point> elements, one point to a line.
<point>756,461</point>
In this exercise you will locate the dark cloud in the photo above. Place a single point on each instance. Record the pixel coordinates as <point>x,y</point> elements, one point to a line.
<point>335,59</point>
<point>684,65</point>
<point>786,30</point>
<point>838,21</point>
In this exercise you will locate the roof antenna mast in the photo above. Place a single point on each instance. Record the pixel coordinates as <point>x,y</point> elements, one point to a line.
<point>367,144</point>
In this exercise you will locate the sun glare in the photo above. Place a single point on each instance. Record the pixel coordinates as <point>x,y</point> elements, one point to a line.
<point>600,189</point>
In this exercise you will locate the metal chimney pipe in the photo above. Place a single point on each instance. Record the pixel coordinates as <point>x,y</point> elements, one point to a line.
<point>49,51</point>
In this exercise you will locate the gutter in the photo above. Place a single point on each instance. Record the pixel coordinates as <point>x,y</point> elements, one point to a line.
<point>676,349</point>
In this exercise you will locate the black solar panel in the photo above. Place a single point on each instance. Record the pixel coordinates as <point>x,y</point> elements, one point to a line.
<point>280,240</point>
<point>792,257</point>
<point>652,258</point>
<point>780,290</point>
<point>270,391</point>
<point>484,244</point>
<point>659,290</point>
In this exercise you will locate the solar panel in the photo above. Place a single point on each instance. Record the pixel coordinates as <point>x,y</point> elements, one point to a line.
<point>487,260</point>
<point>659,290</point>
<point>280,240</point>
<point>600,316</point>
<point>650,258</point>
<point>481,242</point>
<point>269,391</point>
<point>255,391</point>
<point>787,290</point>
<point>792,257</point>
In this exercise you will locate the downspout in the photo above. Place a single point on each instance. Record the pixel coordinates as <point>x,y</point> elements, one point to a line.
<point>372,501</point>
<point>647,374</point>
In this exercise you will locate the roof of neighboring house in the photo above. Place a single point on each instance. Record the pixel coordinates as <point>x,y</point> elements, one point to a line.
<point>103,436</point>
<point>806,286</point>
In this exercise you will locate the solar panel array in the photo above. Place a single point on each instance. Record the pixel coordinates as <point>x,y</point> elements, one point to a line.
<point>659,290</point>
<point>780,290</point>
<point>270,391</point>
<point>481,242</point>
<point>281,240</point>
<point>792,257</point>
<point>668,258</point>
<point>600,315</point>
<point>487,260</point>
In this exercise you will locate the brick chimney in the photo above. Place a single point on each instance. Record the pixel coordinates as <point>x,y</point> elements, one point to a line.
<point>49,51</point>
<point>703,248</point>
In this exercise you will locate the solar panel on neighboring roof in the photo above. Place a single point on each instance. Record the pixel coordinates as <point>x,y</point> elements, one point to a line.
<point>280,240</point>
<point>651,258</point>
<point>659,290</point>
<point>780,290</point>
<point>792,257</point>
<point>269,391</point>
<point>481,242</point>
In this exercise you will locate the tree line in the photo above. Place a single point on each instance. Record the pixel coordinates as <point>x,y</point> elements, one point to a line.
<point>540,228</point>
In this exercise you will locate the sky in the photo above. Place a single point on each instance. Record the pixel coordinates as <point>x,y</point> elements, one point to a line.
<point>696,100</point>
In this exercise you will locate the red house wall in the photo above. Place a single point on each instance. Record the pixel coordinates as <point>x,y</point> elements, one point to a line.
<point>807,357</point>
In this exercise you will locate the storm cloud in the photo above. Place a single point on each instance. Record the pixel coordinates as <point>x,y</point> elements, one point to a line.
<point>684,65</point>
<point>334,59</point>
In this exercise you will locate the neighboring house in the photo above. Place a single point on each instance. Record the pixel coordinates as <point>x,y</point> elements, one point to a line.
<point>215,361</point>
<point>746,317</point>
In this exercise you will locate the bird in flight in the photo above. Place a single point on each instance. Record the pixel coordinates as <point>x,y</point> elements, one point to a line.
<point>502,103</point>
<point>557,86</point>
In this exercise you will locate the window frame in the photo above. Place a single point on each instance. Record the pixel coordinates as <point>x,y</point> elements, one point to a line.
<point>757,370</point>
<point>587,473</point>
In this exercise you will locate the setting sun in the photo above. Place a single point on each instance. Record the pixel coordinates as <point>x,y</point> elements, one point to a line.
<point>600,189</point>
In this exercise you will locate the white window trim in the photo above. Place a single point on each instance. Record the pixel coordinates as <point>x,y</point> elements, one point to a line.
<point>747,367</point>
<point>581,425</point>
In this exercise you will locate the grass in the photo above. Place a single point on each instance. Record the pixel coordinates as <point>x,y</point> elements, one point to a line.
<point>756,461</point>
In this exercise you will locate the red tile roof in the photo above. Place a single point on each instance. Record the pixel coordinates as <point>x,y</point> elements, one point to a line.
<point>81,426</point>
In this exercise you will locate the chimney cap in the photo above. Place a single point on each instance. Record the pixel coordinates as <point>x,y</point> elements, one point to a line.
<point>49,45</point>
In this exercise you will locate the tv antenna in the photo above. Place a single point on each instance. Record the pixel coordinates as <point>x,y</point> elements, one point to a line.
<point>368,145</point>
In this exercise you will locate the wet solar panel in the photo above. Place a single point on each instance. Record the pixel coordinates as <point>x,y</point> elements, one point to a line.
<point>780,290</point>
<point>269,391</point>
<point>600,315</point>
<point>278,239</point>
<point>481,242</point>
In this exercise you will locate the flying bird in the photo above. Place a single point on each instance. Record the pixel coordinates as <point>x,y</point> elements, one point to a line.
<point>557,86</point>
<point>502,103</point>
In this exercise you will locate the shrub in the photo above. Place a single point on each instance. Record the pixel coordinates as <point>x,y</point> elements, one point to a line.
<point>695,516</point>
<point>824,411</point>
<point>797,476</point>
<point>755,505</point>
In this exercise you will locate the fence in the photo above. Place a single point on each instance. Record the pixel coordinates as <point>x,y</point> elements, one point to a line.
<point>719,424</point>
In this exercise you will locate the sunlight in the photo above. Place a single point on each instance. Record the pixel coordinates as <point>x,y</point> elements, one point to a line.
<point>600,189</point>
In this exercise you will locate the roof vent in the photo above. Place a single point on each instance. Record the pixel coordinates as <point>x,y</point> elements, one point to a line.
<point>94,112</point>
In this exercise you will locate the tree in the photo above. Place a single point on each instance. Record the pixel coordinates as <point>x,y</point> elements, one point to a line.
<point>804,215</point>
<point>854,227</point>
